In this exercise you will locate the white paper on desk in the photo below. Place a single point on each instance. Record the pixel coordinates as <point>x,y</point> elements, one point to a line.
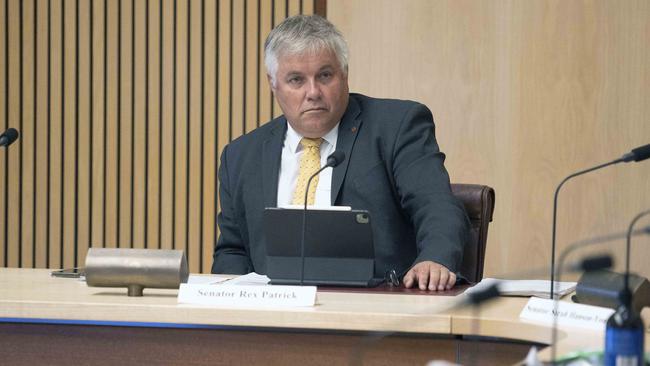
<point>205,279</point>
<point>251,279</point>
<point>526,288</point>
<point>247,279</point>
<point>315,207</point>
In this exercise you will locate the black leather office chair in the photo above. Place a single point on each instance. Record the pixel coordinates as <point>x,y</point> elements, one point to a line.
<point>479,204</point>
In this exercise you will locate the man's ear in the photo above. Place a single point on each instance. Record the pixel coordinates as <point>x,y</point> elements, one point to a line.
<point>270,80</point>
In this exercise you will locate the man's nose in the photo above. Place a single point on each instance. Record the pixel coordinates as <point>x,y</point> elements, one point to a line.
<point>313,90</point>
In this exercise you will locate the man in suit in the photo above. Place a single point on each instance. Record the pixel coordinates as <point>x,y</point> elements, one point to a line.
<point>394,168</point>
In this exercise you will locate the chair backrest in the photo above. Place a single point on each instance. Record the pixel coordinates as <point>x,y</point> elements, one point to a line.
<point>479,205</point>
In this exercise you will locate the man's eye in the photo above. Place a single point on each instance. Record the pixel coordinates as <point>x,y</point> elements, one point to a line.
<point>326,75</point>
<point>295,80</point>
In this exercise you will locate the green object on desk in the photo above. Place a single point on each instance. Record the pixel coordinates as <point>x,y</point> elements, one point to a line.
<point>593,357</point>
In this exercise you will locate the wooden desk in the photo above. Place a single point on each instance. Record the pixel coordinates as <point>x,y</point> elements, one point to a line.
<point>58,321</point>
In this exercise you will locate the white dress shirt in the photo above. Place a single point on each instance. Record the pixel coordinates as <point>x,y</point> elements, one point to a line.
<point>290,164</point>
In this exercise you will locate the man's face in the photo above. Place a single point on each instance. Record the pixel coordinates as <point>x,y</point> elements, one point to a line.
<point>312,91</point>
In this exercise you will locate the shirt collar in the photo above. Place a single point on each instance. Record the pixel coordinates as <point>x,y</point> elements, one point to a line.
<point>292,139</point>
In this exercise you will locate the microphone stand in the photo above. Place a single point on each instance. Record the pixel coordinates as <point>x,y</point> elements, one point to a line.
<point>625,331</point>
<point>587,267</point>
<point>333,160</point>
<point>304,225</point>
<point>557,192</point>
<point>638,154</point>
<point>630,233</point>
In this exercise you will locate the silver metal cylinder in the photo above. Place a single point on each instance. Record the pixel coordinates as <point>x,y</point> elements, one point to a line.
<point>136,269</point>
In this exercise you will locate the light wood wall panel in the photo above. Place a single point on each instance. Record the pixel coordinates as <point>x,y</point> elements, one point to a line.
<point>524,93</point>
<point>123,108</point>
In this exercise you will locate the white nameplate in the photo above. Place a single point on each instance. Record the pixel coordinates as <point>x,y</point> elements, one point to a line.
<point>568,314</point>
<point>247,295</point>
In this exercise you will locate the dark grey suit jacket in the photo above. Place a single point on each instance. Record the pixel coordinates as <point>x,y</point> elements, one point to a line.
<point>394,169</point>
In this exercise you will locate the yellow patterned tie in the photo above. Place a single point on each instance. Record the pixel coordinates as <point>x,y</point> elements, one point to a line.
<point>309,164</point>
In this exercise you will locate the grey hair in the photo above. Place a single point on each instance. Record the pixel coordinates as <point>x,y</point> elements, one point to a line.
<point>303,34</point>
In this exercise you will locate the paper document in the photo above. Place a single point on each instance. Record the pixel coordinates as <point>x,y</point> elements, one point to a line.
<point>251,279</point>
<point>247,279</point>
<point>322,208</point>
<point>537,288</point>
<point>196,279</point>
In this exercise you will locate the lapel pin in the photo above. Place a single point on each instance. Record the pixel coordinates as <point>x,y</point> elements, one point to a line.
<point>353,129</point>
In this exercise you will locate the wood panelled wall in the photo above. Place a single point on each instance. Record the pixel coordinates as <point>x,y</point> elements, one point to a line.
<point>524,93</point>
<point>123,108</point>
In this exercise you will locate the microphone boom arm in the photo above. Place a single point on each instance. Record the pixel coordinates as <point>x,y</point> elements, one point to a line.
<point>557,192</point>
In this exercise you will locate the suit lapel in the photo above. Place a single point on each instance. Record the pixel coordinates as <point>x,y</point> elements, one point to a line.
<point>348,130</point>
<point>271,157</point>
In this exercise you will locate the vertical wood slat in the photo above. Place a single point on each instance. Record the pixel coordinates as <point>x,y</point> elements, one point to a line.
<point>123,108</point>
<point>4,111</point>
<point>125,123</point>
<point>294,7</point>
<point>97,90</point>
<point>140,122</point>
<point>55,198</point>
<point>68,134</point>
<point>167,102</point>
<point>237,70</point>
<point>224,76</point>
<point>279,12</point>
<point>111,146</point>
<point>83,135</point>
<point>250,47</point>
<point>41,137</point>
<point>194,136</point>
<point>153,127</point>
<point>181,126</point>
<point>26,170</point>
<point>209,135</point>
<point>264,95</point>
<point>12,114</point>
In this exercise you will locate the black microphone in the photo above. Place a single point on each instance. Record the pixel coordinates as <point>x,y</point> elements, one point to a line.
<point>639,154</point>
<point>8,137</point>
<point>335,158</point>
<point>594,263</point>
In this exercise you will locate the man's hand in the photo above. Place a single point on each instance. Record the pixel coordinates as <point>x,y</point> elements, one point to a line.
<point>430,275</point>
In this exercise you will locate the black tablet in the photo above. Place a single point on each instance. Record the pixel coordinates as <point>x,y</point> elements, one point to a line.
<point>338,247</point>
